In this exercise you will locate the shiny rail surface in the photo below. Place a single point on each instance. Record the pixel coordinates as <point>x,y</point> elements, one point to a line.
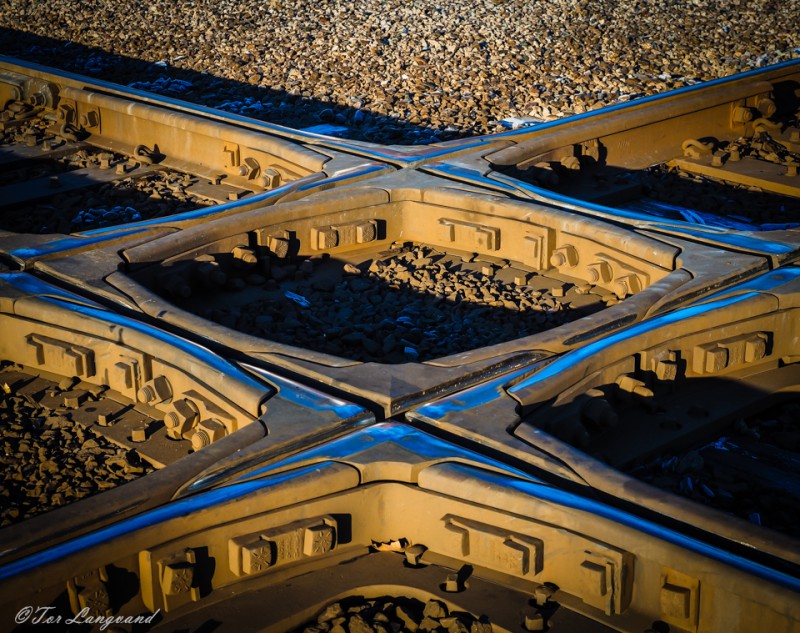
<point>260,378</point>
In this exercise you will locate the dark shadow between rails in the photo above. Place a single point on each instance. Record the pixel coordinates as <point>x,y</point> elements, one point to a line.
<point>365,315</point>
<point>664,192</point>
<point>294,109</point>
<point>730,445</point>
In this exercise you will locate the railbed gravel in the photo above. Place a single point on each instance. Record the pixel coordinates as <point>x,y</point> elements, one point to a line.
<point>672,192</point>
<point>49,461</point>
<point>398,71</point>
<point>709,474</point>
<point>679,191</point>
<point>145,196</point>
<point>388,614</point>
<point>420,304</point>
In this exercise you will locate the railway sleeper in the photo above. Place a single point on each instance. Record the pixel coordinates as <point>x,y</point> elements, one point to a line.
<point>43,116</point>
<point>723,162</point>
<point>91,400</point>
<point>403,289</point>
<point>390,514</point>
<point>667,402</point>
<point>522,489</point>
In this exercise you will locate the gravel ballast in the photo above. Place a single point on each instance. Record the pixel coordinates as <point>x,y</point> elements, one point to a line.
<point>402,72</point>
<point>409,304</point>
<point>48,460</point>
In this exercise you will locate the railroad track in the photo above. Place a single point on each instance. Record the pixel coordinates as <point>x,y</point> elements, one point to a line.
<point>540,380</point>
